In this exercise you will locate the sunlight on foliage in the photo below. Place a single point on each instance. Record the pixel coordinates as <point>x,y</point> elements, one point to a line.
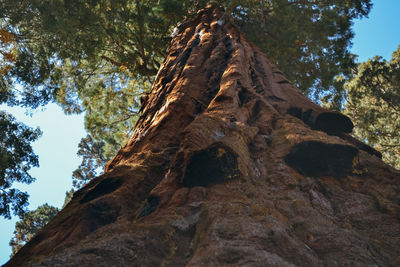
<point>374,105</point>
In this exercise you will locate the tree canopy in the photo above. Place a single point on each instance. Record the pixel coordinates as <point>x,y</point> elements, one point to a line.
<point>70,49</point>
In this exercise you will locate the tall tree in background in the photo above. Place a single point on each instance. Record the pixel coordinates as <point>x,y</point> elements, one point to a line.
<point>16,153</point>
<point>16,158</point>
<point>98,57</point>
<point>93,161</point>
<point>33,221</point>
<point>373,102</point>
<point>30,224</point>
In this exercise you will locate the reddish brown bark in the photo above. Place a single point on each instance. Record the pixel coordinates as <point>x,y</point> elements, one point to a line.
<point>229,164</point>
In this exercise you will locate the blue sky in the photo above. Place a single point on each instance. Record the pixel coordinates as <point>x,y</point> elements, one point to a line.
<point>377,35</point>
<point>57,158</point>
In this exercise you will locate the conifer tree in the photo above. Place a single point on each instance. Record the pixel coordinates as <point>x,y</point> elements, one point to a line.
<point>374,104</point>
<point>30,224</point>
<point>33,221</point>
<point>100,57</point>
<point>16,158</point>
<point>16,153</point>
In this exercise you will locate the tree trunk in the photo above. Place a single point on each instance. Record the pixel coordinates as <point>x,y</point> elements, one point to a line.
<point>229,164</point>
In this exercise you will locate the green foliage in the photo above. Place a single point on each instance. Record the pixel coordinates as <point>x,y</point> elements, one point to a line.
<point>30,224</point>
<point>84,40</point>
<point>111,114</point>
<point>308,40</point>
<point>374,105</point>
<point>16,154</point>
<point>16,158</point>
<point>98,56</point>
<point>93,160</point>
<point>112,111</point>
<point>68,196</point>
<point>33,221</point>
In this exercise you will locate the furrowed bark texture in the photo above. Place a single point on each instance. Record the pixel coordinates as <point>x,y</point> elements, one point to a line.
<point>229,165</point>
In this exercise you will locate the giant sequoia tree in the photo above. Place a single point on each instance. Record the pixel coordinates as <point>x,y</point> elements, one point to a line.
<point>99,56</point>
<point>229,164</point>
